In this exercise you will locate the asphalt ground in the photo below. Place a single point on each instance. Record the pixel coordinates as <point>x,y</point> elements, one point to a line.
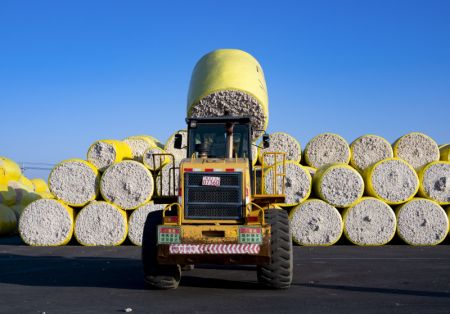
<point>337,279</point>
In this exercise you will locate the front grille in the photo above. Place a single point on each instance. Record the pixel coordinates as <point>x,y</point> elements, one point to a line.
<point>211,202</point>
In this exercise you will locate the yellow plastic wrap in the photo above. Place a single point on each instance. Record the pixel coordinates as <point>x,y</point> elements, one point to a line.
<point>40,186</point>
<point>320,174</point>
<point>372,192</point>
<point>7,195</point>
<point>24,193</point>
<point>9,170</point>
<point>228,69</point>
<point>8,220</point>
<point>422,192</point>
<point>27,183</point>
<point>444,151</point>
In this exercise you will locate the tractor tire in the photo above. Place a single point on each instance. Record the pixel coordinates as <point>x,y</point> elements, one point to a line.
<point>157,276</point>
<point>278,274</point>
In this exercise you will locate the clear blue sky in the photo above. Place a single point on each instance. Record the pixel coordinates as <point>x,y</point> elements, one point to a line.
<point>72,72</point>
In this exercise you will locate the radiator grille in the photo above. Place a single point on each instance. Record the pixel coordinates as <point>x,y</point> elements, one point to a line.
<point>210,202</point>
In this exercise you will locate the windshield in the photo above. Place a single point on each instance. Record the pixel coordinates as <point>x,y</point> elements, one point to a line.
<point>211,140</point>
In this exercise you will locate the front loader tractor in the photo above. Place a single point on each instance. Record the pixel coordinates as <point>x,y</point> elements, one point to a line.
<point>220,211</point>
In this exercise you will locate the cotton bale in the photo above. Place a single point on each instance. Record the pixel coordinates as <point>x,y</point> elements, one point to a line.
<point>7,195</point>
<point>435,182</point>
<point>297,182</point>
<point>46,222</point>
<point>229,81</point>
<point>325,149</point>
<point>281,142</point>
<point>74,181</point>
<point>104,153</point>
<point>422,222</point>
<point>153,159</point>
<point>101,224</point>
<point>9,170</point>
<point>179,154</point>
<point>338,184</point>
<point>137,221</point>
<point>369,222</point>
<point>417,149</point>
<point>127,184</point>
<point>315,223</point>
<point>444,152</point>
<point>139,144</point>
<point>40,186</point>
<point>368,150</point>
<point>391,180</point>
<point>8,220</point>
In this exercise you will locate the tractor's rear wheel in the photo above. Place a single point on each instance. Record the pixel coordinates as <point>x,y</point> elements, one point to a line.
<point>278,274</point>
<point>157,276</point>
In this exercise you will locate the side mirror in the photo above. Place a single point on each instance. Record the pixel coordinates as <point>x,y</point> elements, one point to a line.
<point>266,141</point>
<point>178,141</point>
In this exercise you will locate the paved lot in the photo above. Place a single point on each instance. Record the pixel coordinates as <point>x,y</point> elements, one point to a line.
<point>338,279</point>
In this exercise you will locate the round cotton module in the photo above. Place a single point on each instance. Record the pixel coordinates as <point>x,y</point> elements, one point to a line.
<point>138,145</point>
<point>8,220</point>
<point>153,159</point>
<point>338,184</point>
<point>181,153</point>
<point>435,182</point>
<point>445,152</point>
<point>104,153</point>
<point>18,210</point>
<point>9,170</point>
<point>40,186</point>
<point>369,222</point>
<point>24,193</point>
<point>229,82</point>
<point>7,195</point>
<point>315,223</point>
<point>325,149</point>
<point>283,143</point>
<point>422,222</point>
<point>74,181</point>
<point>417,149</point>
<point>368,150</point>
<point>101,224</point>
<point>127,184</point>
<point>137,221</point>
<point>46,222</point>
<point>392,180</point>
<point>167,181</point>
<point>297,183</point>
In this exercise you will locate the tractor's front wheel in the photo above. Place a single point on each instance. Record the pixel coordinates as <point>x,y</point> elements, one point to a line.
<point>278,274</point>
<point>157,276</point>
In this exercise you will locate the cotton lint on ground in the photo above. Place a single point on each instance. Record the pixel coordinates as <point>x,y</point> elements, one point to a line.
<point>391,180</point>
<point>46,222</point>
<point>179,154</point>
<point>138,145</point>
<point>417,149</point>
<point>137,221</point>
<point>422,222</point>
<point>104,153</point>
<point>325,149</point>
<point>153,161</point>
<point>297,183</point>
<point>367,150</point>
<point>435,182</point>
<point>315,222</point>
<point>127,184</point>
<point>74,181</point>
<point>369,222</point>
<point>282,142</point>
<point>338,184</point>
<point>101,223</point>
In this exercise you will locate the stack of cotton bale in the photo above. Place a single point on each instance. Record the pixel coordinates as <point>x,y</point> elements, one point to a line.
<point>370,190</point>
<point>102,199</point>
<point>16,192</point>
